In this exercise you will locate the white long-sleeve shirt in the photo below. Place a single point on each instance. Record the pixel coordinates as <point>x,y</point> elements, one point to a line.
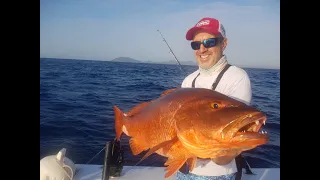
<point>234,83</point>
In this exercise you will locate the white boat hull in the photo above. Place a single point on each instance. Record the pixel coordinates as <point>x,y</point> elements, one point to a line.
<point>94,172</point>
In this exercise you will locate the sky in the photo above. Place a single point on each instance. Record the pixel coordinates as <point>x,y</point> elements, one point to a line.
<point>107,29</point>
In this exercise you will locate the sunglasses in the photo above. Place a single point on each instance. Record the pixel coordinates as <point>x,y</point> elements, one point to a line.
<point>207,43</point>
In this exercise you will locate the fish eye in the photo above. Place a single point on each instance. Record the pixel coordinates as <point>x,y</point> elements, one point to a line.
<point>214,105</point>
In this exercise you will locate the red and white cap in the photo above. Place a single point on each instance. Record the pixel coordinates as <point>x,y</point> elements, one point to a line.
<point>210,25</point>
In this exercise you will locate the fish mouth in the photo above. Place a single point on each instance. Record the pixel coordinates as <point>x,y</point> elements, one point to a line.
<point>253,124</point>
<point>249,124</point>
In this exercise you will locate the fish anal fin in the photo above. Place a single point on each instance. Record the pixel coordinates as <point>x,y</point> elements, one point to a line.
<point>168,91</point>
<point>165,145</point>
<point>137,108</point>
<point>136,147</point>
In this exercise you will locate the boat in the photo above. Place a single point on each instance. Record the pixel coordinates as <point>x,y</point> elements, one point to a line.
<point>94,172</point>
<point>59,166</point>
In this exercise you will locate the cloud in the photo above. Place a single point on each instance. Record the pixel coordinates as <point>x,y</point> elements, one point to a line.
<point>253,32</point>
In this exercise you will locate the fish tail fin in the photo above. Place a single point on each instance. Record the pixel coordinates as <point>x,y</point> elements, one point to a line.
<point>119,118</point>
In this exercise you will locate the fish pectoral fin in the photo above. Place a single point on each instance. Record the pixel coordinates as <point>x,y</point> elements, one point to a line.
<point>168,91</point>
<point>164,144</point>
<point>136,147</point>
<point>137,108</point>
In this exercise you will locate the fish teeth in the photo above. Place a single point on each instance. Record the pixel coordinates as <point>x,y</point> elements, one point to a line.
<point>263,132</point>
<point>264,122</point>
<point>257,122</point>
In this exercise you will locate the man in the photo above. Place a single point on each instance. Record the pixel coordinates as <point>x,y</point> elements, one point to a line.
<point>209,42</point>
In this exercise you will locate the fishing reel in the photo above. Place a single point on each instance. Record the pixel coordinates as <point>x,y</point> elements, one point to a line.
<point>113,161</point>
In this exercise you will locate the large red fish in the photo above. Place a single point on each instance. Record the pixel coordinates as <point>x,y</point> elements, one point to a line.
<point>184,124</point>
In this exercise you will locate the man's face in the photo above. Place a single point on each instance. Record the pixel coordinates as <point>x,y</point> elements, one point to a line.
<point>207,57</point>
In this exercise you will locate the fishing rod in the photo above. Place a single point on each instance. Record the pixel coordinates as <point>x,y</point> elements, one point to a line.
<point>172,52</point>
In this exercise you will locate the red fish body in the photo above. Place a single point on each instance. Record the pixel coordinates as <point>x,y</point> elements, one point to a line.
<point>183,124</point>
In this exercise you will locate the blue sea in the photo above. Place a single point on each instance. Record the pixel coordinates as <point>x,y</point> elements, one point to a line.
<point>77,96</point>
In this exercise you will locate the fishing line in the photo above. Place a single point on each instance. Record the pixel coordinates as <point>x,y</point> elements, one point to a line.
<point>172,53</point>
<point>101,151</point>
<point>96,154</point>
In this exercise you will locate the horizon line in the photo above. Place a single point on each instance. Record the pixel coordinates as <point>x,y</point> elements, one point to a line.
<point>157,62</point>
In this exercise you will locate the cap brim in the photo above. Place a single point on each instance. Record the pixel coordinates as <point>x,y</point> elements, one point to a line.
<point>193,30</point>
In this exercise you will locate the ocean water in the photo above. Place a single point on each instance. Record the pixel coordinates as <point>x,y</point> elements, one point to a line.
<point>76,99</point>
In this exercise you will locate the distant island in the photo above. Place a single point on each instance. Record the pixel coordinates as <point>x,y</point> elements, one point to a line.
<point>125,59</point>
<point>131,60</point>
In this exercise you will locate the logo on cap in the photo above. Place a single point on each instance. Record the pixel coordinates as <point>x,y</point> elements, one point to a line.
<point>202,23</point>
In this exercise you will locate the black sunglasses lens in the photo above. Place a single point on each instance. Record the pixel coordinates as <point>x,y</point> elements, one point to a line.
<point>209,43</point>
<point>206,43</point>
<point>195,45</point>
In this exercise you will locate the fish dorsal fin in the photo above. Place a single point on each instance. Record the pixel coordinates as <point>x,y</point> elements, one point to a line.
<point>137,108</point>
<point>168,91</point>
<point>168,144</point>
